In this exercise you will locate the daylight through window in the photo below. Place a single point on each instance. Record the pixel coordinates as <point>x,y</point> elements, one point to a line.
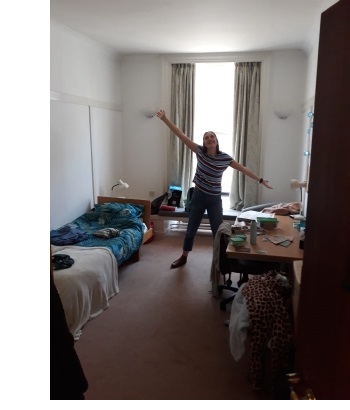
<point>214,93</point>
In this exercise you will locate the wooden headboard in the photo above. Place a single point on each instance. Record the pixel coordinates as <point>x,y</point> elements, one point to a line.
<point>146,203</point>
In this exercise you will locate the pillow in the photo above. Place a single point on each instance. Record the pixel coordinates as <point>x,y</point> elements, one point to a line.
<point>134,210</point>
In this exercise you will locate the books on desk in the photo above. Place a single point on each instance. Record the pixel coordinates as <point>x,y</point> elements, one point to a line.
<point>252,215</point>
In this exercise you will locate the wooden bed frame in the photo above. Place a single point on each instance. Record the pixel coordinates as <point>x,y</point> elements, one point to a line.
<point>146,218</point>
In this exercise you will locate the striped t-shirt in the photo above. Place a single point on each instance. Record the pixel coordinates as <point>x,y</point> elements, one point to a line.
<point>209,171</point>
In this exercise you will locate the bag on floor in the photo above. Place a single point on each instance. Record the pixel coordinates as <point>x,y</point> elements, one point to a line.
<point>156,203</point>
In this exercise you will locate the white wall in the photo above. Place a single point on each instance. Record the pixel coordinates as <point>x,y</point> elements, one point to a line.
<point>85,113</point>
<point>145,87</point>
<point>311,76</point>
<point>70,162</point>
<point>145,145</point>
<point>100,100</point>
<point>81,67</point>
<point>282,152</point>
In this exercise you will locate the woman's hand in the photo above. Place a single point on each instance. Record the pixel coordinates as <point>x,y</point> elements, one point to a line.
<point>161,114</point>
<point>266,184</point>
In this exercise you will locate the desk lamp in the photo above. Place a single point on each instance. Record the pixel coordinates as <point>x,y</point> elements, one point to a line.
<point>120,184</point>
<point>295,184</point>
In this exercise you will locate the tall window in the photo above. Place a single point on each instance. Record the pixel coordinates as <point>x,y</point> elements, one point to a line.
<point>214,92</point>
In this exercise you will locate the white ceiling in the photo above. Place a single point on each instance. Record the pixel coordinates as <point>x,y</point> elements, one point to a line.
<point>193,26</point>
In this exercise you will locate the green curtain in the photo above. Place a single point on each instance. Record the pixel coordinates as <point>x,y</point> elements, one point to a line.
<point>182,115</point>
<point>246,139</point>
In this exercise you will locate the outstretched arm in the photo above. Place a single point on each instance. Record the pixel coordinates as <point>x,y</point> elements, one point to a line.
<point>249,173</point>
<point>183,137</point>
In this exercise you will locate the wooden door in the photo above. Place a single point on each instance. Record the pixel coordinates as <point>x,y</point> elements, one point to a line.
<point>323,339</point>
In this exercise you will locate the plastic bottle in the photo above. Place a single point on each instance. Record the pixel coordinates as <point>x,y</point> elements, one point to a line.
<point>253,231</point>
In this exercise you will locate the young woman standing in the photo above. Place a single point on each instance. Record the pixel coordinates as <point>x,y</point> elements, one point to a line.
<point>211,163</point>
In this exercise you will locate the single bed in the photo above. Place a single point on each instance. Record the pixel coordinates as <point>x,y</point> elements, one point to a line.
<point>91,278</point>
<point>146,216</point>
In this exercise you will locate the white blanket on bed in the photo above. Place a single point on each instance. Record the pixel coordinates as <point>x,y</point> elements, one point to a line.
<point>85,287</point>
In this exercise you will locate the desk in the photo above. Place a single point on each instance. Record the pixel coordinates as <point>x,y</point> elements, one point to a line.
<point>274,253</point>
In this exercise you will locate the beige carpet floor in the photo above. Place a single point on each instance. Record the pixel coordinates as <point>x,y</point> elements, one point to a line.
<point>163,336</point>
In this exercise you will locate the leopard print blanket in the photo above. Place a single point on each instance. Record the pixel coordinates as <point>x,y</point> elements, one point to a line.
<point>270,325</point>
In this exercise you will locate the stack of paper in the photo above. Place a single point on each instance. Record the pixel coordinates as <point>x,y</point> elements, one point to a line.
<point>252,215</point>
<point>283,240</point>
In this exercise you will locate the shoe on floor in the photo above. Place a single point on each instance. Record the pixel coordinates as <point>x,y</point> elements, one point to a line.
<point>179,262</point>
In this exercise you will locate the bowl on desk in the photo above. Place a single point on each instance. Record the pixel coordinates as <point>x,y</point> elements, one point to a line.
<point>267,223</point>
<point>237,240</point>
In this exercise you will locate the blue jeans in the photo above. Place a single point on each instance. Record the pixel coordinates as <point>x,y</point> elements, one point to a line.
<point>200,203</point>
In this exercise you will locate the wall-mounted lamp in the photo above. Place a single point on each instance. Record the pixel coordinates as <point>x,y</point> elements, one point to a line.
<point>120,185</point>
<point>295,184</point>
<point>150,114</point>
<point>282,114</point>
